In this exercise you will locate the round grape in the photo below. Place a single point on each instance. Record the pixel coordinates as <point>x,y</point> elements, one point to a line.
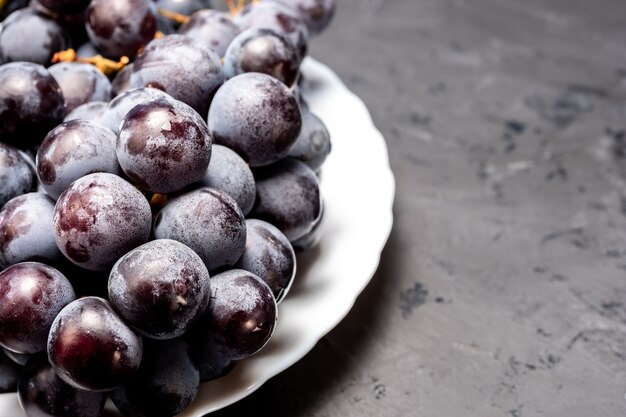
<point>313,144</point>
<point>80,83</point>
<point>43,394</point>
<point>122,104</point>
<point>228,172</point>
<point>31,295</point>
<point>207,220</point>
<point>65,6</point>
<point>317,14</point>
<point>12,6</point>
<point>91,348</point>
<point>242,315</point>
<point>120,27</point>
<point>99,218</point>
<point>31,103</point>
<point>182,68</point>
<point>72,150</point>
<point>17,176</point>
<point>269,256</point>
<point>86,50</point>
<point>163,145</point>
<point>28,35</point>
<point>256,116</point>
<point>276,16</point>
<point>212,28</point>
<point>159,288</point>
<point>74,23</point>
<point>91,112</point>
<point>313,237</point>
<point>165,384</point>
<point>206,355</point>
<point>288,196</point>
<point>18,358</point>
<point>121,82</point>
<point>184,7</point>
<point>26,230</point>
<point>262,50</point>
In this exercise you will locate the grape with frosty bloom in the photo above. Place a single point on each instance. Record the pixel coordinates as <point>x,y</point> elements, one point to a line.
<point>79,206</point>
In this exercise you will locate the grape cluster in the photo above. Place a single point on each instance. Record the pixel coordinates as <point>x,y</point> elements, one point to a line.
<point>152,197</point>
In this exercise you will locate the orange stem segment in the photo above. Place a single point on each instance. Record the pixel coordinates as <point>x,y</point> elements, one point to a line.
<point>235,8</point>
<point>106,66</point>
<point>176,17</point>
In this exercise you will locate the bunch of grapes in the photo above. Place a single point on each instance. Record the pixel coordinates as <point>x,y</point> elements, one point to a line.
<point>158,172</point>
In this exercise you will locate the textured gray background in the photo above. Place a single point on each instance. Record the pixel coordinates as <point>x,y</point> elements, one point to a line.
<point>502,289</point>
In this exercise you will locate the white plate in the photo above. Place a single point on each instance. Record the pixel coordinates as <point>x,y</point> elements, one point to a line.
<point>358,190</point>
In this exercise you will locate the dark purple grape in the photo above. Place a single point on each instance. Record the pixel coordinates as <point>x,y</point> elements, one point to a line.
<point>80,83</point>
<point>269,256</point>
<point>317,14</point>
<point>87,50</point>
<point>212,28</point>
<point>313,144</point>
<point>28,35</point>
<point>26,230</point>
<point>91,112</point>
<point>165,384</point>
<point>43,394</point>
<point>229,172</point>
<point>182,68</point>
<point>72,150</point>
<point>288,196</point>
<point>297,91</point>
<point>74,23</point>
<point>165,26</point>
<point>121,82</point>
<point>31,295</point>
<point>160,288</point>
<point>163,145</point>
<point>271,15</point>
<point>9,372</point>
<point>31,103</point>
<point>12,6</point>
<point>184,7</point>
<point>242,314</point>
<point>18,358</point>
<point>206,355</point>
<point>207,220</point>
<point>120,27</point>
<point>262,50</point>
<point>313,237</point>
<point>65,6</point>
<point>99,218</point>
<point>91,348</point>
<point>256,116</point>
<point>120,105</point>
<point>17,176</point>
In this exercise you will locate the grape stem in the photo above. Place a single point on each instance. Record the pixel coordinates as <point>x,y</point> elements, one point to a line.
<point>106,66</point>
<point>158,200</point>
<point>236,8</point>
<point>176,17</point>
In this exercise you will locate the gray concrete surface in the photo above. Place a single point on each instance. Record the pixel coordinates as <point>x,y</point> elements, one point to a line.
<point>502,289</point>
